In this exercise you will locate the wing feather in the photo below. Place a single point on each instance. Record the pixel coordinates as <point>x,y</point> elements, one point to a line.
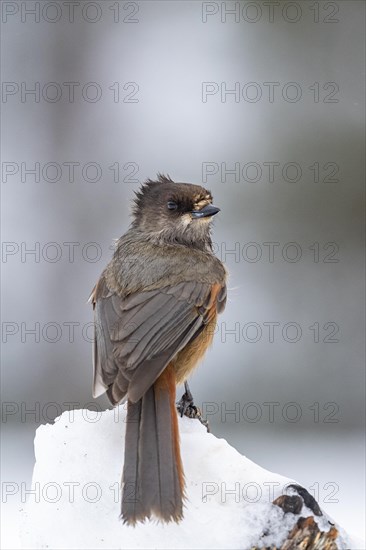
<point>136,336</point>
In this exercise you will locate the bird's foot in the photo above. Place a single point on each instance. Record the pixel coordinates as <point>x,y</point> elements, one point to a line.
<point>186,407</point>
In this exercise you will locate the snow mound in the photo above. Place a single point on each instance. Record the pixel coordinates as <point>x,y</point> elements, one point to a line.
<point>75,501</point>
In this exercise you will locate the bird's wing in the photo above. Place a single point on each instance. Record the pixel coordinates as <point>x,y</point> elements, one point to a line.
<point>137,336</point>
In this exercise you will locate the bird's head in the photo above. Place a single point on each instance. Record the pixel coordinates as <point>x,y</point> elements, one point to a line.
<point>174,212</point>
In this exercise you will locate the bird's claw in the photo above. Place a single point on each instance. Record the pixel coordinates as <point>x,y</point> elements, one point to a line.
<point>186,407</point>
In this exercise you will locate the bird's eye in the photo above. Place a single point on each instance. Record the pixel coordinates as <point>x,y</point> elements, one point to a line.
<point>172,205</point>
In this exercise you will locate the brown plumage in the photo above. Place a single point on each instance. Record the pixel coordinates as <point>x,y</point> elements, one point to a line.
<point>156,305</point>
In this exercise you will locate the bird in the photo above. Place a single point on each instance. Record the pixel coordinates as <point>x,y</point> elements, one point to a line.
<point>155,311</point>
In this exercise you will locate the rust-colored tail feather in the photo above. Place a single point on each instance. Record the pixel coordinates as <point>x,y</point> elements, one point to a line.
<point>153,479</point>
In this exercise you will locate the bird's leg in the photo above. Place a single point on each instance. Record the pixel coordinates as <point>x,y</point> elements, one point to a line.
<point>186,407</point>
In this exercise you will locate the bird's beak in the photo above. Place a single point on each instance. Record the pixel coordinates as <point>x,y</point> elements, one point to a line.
<point>208,210</point>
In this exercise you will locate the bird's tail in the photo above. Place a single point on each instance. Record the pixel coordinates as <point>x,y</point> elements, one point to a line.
<point>153,478</point>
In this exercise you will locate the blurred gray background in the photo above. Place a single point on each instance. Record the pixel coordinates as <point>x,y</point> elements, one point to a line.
<point>123,90</point>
